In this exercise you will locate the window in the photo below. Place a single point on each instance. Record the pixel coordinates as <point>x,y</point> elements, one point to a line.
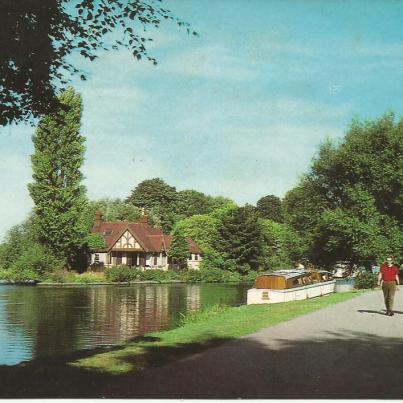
<point>155,260</point>
<point>118,258</point>
<point>196,256</point>
<point>190,256</point>
<point>108,232</point>
<point>96,258</point>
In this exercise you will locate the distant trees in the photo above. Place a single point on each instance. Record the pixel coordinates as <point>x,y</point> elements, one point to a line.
<point>270,207</point>
<point>114,209</point>
<point>167,207</point>
<point>37,37</point>
<point>349,206</point>
<point>57,189</point>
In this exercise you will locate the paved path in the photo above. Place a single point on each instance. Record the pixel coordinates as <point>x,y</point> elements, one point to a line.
<point>348,350</point>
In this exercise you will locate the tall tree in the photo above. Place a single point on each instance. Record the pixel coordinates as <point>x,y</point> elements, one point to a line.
<point>269,207</point>
<point>37,36</point>
<point>57,191</point>
<point>179,249</point>
<point>240,239</point>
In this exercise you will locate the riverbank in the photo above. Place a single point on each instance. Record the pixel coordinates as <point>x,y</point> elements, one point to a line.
<point>86,373</point>
<point>204,329</point>
<point>127,275</point>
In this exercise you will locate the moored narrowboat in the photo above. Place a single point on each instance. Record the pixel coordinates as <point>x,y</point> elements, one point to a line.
<point>290,285</point>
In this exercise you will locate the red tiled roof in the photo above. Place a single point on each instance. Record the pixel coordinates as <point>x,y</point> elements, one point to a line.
<point>151,239</point>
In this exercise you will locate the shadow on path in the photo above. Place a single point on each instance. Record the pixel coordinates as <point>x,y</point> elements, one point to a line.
<point>343,365</point>
<point>53,377</point>
<point>381,312</point>
<point>337,365</point>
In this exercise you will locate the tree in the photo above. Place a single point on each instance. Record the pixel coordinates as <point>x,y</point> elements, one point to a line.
<point>269,207</point>
<point>179,250</point>
<point>240,240</point>
<point>349,205</point>
<point>282,246</point>
<point>38,36</point>
<point>57,191</point>
<point>115,210</point>
<point>201,228</point>
<point>192,202</point>
<point>152,193</point>
<point>159,198</point>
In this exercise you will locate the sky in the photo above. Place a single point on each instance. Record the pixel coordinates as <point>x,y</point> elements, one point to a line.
<point>239,110</point>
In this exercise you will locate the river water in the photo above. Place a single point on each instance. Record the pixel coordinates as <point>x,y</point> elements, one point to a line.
<point>40,321</point>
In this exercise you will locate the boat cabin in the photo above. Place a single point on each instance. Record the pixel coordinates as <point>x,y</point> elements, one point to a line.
<point>285,279</point>
<point>290,285</point>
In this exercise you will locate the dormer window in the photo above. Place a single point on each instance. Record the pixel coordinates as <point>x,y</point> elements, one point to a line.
<point>108,232</point>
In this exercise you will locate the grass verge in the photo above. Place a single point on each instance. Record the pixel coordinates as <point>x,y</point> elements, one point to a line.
<point>200,331</point>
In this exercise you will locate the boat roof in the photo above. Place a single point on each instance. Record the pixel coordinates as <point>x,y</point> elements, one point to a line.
<point>290,273</point>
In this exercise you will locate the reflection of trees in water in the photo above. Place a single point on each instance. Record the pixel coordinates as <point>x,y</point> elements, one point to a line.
<point>222,294</point>
<point>60,320</point>
<point>51,318</point>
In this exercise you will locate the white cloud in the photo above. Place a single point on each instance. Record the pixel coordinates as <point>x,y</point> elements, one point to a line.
<point>210,61</point>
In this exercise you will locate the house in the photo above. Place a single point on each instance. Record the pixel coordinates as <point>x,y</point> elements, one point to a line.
<point>137,244</point>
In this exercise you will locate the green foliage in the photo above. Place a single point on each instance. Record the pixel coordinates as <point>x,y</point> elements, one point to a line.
<point>152,193</point>
<point>201,228</point>
<point>281,245</point>
<point>269,207</point>
<point>349,206</point>
<point>159,198</point>
<point>57,192</point>
<point>191,202</point>
<point>366,280</point>
<point>19,275</point>
<point>36,259</point>
<point>51,31</point>
<point>179,250</point>
<point>95,241</point>
<point>240,238</point>
<point>158,275</point>
<point>114,210</point>
<point>118,274</point>
<point>18,238</point>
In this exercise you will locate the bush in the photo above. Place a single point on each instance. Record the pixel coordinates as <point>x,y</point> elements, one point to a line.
<point>192,276</point>
<point>212,275</point>
<point>250,277</point>
<point>118,274</point>
<point>59,276</point>
<point>366,280</point>
<point>36,259</point>
<point>89,277</point>
<point>19,275</point>
<point>158,275</point>
<point>231,277</point>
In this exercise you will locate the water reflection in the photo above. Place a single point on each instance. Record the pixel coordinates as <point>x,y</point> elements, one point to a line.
<point>39,321</point>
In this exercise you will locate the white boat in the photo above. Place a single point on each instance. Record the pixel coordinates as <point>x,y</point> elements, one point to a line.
<point>290,285</point>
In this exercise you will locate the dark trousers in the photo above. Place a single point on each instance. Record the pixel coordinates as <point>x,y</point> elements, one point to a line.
<point>389,289</point>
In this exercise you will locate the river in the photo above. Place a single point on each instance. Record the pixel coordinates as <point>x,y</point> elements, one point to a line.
<point>40,321</point>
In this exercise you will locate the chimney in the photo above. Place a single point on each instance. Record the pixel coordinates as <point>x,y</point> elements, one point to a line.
<point>144,218</point>
<point>98,218</point>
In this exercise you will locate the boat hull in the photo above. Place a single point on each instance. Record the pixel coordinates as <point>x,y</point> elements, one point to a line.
<point>271,296</point>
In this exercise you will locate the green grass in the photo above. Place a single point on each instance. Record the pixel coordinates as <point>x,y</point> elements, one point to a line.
<point>201,330</point>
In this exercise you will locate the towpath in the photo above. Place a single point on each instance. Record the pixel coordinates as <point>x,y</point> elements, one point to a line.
<point>347,350</point>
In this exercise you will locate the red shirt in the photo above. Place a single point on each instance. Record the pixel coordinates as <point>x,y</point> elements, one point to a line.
<point>389,273</point>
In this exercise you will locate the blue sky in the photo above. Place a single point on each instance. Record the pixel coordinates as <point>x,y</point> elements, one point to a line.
<point>238,111</point>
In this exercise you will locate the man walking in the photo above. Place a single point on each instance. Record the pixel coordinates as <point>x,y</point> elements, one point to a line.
<point>389,277</point>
